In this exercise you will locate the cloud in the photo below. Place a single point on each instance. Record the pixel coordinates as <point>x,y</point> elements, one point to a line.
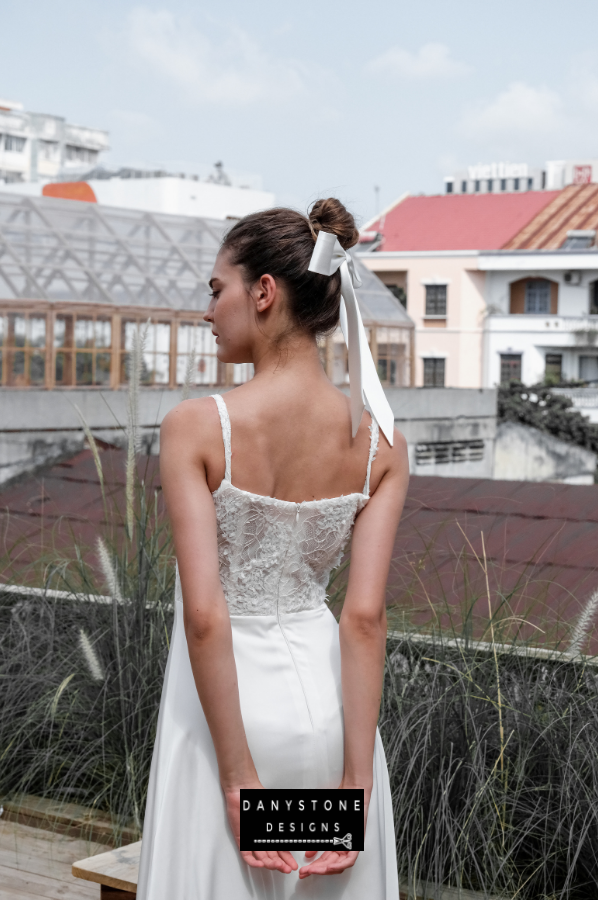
<point>518,111</point>
<point>232,72</point>
<point>431,61</point>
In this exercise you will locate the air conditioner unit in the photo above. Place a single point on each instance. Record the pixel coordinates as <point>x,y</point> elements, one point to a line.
<point>572,277</point>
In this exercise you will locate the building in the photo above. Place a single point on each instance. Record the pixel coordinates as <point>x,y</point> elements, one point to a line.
<point>76,279</point>
<point>217,196</point>
<point>501,177</point>
<point>38,146</point>
<point>499,286</point>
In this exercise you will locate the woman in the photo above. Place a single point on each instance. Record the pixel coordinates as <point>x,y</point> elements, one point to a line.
<point>263,486</point>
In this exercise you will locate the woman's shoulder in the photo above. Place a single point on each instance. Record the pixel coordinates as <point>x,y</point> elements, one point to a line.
<point>194,422</point>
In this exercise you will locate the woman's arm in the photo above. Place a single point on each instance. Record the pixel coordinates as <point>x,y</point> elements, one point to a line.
<point>363,633</point>
<point>185,447</point>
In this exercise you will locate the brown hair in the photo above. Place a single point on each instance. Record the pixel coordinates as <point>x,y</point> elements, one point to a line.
<point>280,242</point>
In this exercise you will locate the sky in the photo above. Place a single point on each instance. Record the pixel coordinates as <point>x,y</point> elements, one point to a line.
<point>318,97</point>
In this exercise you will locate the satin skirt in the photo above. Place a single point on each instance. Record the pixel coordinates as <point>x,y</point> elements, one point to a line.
<point>290,690</point>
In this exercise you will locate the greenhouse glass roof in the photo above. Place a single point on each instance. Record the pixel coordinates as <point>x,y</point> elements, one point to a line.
<point>69,250</point>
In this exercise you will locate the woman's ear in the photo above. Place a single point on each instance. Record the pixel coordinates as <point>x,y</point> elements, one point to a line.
<point>265,293</point>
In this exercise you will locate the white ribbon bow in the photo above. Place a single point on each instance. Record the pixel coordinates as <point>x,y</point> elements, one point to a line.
<point>327,258</point>
<point>346,841</point>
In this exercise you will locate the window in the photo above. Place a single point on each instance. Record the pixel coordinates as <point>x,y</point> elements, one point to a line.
<point>594,298</point>
<point>193,337</point>
<point>82,350</point>
<point>579,240</point>
<point>80,154</point>
<point>399,293</point>
<point>554,367</point>
<point>436,299</point>
<point>476,186</point>
<point>510,367</point>
<point>392,356</point>
<point>449,187</point>
<point>14,144</point>
<point>515,184</point>
<point>490,185</point>
<point>588,368</point>
<point>537,296</point>
<point>463,187</point>
<point>155,365</point>
<point>434,372</point>
<point>530,184</point>
<point>446,452</point>
<point>23,346</point>
<point>503,184</point>
<point>49,150</point>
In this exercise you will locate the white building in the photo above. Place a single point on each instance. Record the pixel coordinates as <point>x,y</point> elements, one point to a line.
<point>541,315</point>
<point>36,146</point>
<point>214,197</point>
<point>501,177</point>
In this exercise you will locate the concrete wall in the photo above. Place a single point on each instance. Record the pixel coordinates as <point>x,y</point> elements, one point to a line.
<point>526,454</point>
<point>37,426</point>
<point>446,416</point>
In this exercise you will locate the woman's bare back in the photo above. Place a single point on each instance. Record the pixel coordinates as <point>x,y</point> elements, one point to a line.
<point>293,444</point>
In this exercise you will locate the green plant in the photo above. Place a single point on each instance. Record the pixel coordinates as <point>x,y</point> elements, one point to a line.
<point>493,779</point>
<point>541,408</point>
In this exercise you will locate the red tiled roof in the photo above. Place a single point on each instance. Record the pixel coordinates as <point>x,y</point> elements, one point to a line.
<point>540,539</point>
<point>459,221</point>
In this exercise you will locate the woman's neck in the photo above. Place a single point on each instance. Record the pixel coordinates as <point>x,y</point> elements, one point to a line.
<point>297,356</point>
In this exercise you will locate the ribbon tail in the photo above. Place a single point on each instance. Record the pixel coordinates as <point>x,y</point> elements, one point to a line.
<point>352,339</point>
<point>363,379</point>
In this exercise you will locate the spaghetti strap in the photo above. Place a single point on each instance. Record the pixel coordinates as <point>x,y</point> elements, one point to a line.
<point>375,434</point>
<point>226,434</point>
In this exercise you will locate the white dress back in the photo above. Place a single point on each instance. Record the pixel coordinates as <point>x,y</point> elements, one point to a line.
<point>275,555</point>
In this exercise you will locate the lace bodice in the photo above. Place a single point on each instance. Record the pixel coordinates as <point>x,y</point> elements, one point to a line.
<point>275,555</point>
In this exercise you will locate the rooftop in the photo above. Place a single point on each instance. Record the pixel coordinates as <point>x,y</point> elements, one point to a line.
<point>458,221</point>
<point>574,209</point>
<point>539,539</point>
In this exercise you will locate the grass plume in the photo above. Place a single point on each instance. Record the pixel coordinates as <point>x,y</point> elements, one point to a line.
<point>90,656</point>
<point>584,623</point>
<point>189,379</point>
<point>135,368</point>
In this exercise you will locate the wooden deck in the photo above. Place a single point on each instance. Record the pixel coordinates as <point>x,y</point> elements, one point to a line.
<point>36,864</point>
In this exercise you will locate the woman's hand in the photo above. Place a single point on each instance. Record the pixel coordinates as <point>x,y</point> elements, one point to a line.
<point>333,862</point>
<point>277,860</point>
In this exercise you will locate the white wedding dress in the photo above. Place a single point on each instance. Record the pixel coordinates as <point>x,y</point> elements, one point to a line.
<point>275,560</point>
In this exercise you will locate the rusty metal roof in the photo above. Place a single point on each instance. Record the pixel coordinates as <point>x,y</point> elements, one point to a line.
<point>540,539</point>
<point>575,208</point>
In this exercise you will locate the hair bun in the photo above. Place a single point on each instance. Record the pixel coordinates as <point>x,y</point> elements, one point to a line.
<point>332,216</point>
